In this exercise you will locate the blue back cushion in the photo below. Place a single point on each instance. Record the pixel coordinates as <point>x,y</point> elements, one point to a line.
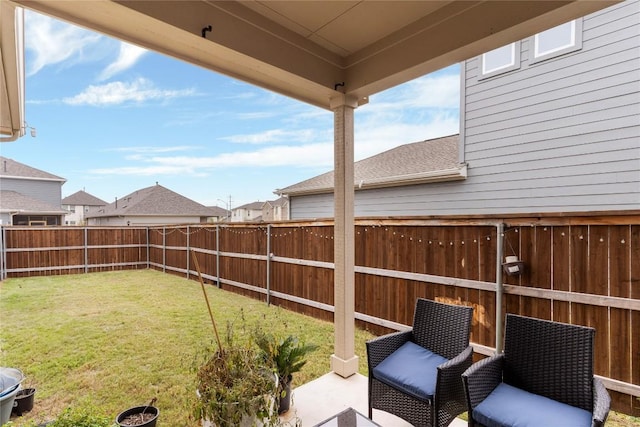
<point>508,406</point>
<point>412,369</point>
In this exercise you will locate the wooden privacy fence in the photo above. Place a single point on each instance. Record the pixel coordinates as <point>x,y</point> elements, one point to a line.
<point>581,270</point>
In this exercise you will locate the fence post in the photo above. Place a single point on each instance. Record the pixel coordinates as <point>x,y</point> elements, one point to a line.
<point>269,264</point>
<point>148,250</point>
<point>499,288</point>
<point>86,250</point>
<point>218,255</point>
<point>188,251</point>
<point>164,249</point>
<point>3,258</point>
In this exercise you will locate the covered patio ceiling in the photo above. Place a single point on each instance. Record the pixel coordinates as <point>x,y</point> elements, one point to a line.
<point>309,50</point>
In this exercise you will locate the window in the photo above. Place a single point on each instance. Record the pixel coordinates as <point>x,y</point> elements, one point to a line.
<point>556,41</point>
<point>500,60</point>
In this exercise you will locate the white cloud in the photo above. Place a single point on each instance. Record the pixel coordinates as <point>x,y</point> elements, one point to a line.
<point>439,91</point>
<point>273,135</point>
<point>114,93</point>
<point>127,58</point>
<point>51,42</point>
<point>154,150</point>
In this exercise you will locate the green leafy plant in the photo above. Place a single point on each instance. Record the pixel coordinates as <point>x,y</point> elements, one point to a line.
<point>288,356</point>
<point>82,417</point>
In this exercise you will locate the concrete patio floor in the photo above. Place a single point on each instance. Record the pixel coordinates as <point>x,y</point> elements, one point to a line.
<point>330,394</point>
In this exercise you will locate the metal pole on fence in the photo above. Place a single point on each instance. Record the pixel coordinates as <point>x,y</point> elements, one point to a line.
<point>148,250</point>
<point>164,249</point>
<point>188,250</point>
<point>3,259</point>
<point>268,264</point>
<point>86,250</point>
<point>499,288</point>
<point>218,255</point>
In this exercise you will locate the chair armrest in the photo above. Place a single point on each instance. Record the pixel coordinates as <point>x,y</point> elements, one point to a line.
<point>379,348</point>
<point>482,378</point>
<point>601,403</point>
<point>449,383</point>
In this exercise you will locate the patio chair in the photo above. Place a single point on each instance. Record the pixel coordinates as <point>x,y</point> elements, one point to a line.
<point>544,377</point>
<point>415,374</point>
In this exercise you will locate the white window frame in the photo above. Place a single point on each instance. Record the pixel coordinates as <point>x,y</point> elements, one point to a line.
<point>572,46</point>
<point>514,65</point>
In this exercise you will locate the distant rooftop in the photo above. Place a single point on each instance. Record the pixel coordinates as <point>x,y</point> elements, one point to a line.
<point>82,198</point>
<point>392,167</point>
<point>154,201</point>
<point>10,168</point>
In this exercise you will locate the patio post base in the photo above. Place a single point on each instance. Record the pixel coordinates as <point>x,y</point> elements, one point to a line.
<point>344,368</point>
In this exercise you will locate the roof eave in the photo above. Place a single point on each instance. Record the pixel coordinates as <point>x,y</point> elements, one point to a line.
<point>12,73</point>
<point>452,174</point>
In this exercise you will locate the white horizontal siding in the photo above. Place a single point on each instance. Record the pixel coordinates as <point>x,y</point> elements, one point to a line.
<point>46,191</point>
<point>560,135</point>
<point>557,135</point>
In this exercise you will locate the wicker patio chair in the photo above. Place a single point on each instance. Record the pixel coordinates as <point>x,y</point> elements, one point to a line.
<point>415,374</point>
<point>544,377</point>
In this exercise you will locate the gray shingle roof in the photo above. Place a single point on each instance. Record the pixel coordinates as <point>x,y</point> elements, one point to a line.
<point>218,211</point>
<point>432,155</point>
<point>82,198</point>
<point>256,206</point>
<point>281,201</point>
<point>9,168</point>
<point>153,201</point>
<point>12,201</point>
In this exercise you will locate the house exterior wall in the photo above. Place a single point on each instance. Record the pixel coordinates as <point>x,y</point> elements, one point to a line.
<point>75,215</point>
<point>561,134</point>
<point>241,215</point>
<point>47,191</point>
<point>558,135</point>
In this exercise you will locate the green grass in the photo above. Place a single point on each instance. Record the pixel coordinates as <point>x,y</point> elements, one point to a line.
<point>109,341</point>
<point>115,340</point>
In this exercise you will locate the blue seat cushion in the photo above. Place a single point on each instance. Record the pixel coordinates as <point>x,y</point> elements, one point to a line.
<point>411,369</point>
<point>513,407</point>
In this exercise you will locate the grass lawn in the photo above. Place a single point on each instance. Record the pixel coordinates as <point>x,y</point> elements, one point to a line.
<point>115,340</point>
<point>109,341</point>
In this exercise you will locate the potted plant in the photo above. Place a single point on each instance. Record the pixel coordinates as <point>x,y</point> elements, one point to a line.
<point>235,385</point>
<point>139,416</point>
<point>288,355</point>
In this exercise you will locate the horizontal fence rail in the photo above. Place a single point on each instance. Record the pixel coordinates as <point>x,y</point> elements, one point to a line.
<point>581,270</point>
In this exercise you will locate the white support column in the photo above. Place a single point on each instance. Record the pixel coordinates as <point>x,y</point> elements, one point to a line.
<point>344,362</point>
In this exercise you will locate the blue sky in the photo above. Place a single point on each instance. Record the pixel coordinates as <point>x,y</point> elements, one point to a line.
<point>112,118</point>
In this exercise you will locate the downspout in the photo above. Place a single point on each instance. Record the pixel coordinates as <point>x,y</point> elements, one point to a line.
<point>499,288</point>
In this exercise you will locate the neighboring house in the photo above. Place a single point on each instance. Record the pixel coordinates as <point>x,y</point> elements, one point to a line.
<point>408,166</point>
<point>78,205</point>
<point>276,210</point>
<point>155,205</point>
<point>250,212</point>
<point>219,214</point>
<point>29,196</point>
<point>548,124</point>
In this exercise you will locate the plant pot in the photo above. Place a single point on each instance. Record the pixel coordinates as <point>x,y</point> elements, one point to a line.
<point>284,396</point>
<point>133,417</point>
<point>23,401</point>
